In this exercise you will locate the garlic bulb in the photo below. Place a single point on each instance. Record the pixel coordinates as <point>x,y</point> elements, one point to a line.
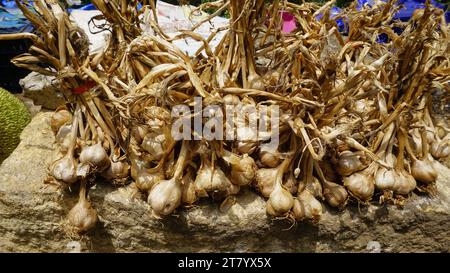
<point>146,180</point>
<point>335,195</point>
<point>269,159</point>
<point>423,171</point>
<point>244,173</point>
<point>265,181</point>
<point>361,185</point>
<point>95,155</point>
<point>247,140</point>
<point>306,206</point>
<point>231,99</point>
<point>60,118</point>
<point>349,163</point>
<point>385,179</point>
<point>143,178</point>
<point>243,168</point>
<point>65,169</point>
<point>404,183</point>
<point>164,197</point>
<point>280,201</point>
<point>154,144</point>
<point>440,149</point>
<point>211,180</point>
<point>82,217</point>
<point>117,170</point>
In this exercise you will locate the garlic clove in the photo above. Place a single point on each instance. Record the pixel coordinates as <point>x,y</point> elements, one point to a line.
<point>164,197</point>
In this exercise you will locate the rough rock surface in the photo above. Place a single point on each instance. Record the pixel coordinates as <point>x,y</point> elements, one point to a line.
<point>43,90</point>
<point>31,213</point>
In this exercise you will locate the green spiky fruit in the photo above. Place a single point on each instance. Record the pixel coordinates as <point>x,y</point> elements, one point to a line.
<point>14,116</point>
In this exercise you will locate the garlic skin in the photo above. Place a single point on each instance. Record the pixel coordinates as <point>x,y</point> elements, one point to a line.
<point>95,155</point>
<point>280,201</point>
<point>335,195</point>
<point>65,170</point>
<point>211,180</point>
<point>82,217</point>
<point>349,163</point>
<point>265,181</point>
<point>423,171</point>
<point>164,197</point>
<point>385,179</point>
<point>306,206</point>
<point>244,173</point>
<point>360,185</point>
